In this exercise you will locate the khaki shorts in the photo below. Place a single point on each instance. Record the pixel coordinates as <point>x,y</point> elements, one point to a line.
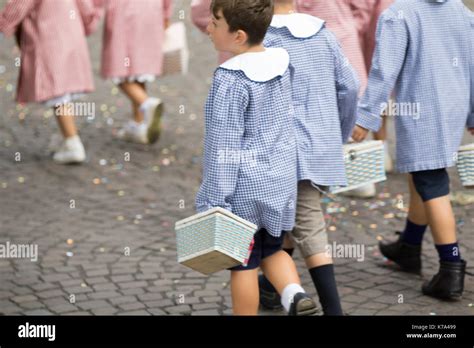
<point>310,234</point>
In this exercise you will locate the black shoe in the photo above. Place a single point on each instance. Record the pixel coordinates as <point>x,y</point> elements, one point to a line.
<point>448,284</point>
<point>268,299</point>
<point>303,305</point>
<point>407,256</point>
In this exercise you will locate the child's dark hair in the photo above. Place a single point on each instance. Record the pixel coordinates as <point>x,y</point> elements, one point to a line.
<point>252,16</point>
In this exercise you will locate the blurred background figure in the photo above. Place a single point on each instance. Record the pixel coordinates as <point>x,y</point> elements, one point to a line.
<point>55,64</point>
<point>132,56</point>
<point>201,15</point>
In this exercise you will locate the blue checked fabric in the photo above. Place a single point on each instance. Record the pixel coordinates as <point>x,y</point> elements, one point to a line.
<point>250,150</point>
<point>425,54</point>
<point>325,90</point>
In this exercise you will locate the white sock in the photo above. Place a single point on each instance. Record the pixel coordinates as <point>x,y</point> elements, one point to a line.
<point>288,293</point>
<point>74,140</point>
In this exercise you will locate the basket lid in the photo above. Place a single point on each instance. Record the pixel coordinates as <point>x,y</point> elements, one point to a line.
<point>212,211</point>
<point>363,146</point>
<point>468,147</point>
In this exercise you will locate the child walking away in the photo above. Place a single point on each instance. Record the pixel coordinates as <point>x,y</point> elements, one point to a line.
<point>425,51</point>
<point>352,21</point>
<point>55,66</point>
<point>250,150</point>
<point>132,56</point>
<point>325,91</point>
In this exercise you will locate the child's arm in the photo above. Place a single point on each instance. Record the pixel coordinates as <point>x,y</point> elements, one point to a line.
<point>13,14</point>
<point>388,60</point>
<point>90,15</point>
<point>347,87</point>
<point>201,13</point>
<point>168,11</point>
<point>223,143</point>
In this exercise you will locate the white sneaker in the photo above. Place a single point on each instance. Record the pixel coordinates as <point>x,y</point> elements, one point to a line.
<point>153,111</point>
<point>367,191</point>
<point>388,160</point>
<point>134,132</point>
<point>70,152</point>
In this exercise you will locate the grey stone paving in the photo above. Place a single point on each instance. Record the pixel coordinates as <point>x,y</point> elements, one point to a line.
<point>114,252</point>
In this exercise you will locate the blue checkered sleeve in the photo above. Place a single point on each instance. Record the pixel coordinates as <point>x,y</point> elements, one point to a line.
<point>225,109</point>
<point>347,85</point>
<point>388,60</point>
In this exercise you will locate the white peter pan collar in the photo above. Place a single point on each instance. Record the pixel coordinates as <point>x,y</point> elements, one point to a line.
<point>260,66</point>
<point>300,25</point>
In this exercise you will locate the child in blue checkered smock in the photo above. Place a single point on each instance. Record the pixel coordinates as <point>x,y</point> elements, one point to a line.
<point>324,91</point>
<point>425,53</point>
<point>250,153</point>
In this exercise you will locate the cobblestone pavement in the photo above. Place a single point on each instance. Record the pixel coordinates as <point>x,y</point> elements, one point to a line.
<point>105,230</point>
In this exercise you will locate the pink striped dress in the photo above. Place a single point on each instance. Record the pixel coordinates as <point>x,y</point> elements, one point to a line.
<point>354,22</point>
<point>341,21</point>
<point>367,13</point>
<point>54,54</point>
<point>133,38</point>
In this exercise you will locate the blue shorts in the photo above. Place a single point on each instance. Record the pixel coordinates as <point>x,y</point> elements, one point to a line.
<point>431,184</point>
<point>264,246</point>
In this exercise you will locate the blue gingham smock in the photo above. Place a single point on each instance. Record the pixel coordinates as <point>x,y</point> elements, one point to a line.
<point>425,53</point>
<point>250,147</point>
<point>325,90</point>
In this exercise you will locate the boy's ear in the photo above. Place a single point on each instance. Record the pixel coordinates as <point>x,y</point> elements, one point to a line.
<point>241,38</point>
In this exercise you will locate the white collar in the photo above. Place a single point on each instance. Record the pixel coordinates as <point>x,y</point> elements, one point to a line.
<point>300,25</point>
<point>260,66</point>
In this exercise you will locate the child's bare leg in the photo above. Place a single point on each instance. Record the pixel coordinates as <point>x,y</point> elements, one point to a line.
<point>244,289</point>
<point>136,92</point>
<point>66,123</point>
<point>416,211</point>
<point>441,220</point>
<point>280,270</point>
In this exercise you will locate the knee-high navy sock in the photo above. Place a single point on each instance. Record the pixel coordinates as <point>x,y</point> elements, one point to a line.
<point>325,283</point>
<point>413,233</point>
<point>265,283</point>
<point>449,252</point>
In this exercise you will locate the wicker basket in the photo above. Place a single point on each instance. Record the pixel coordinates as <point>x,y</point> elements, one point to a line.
<point>213,241</point>
<point>465,164</point>
<point>365,164</point>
